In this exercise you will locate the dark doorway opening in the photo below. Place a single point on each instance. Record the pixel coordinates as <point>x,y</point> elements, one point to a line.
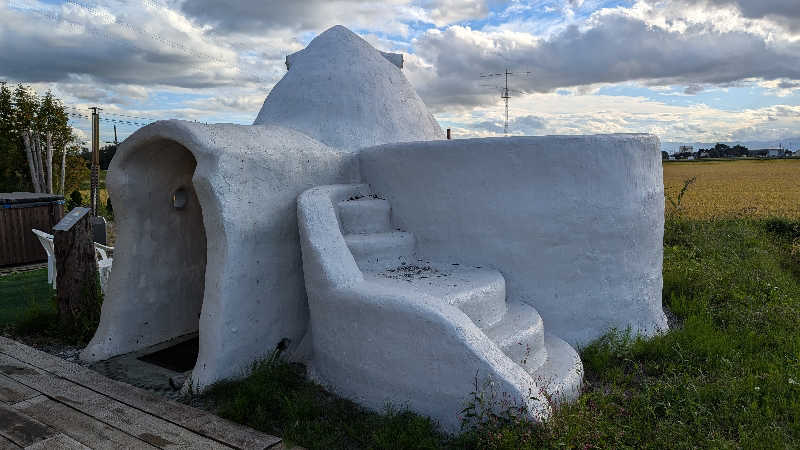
<point>180,357</point>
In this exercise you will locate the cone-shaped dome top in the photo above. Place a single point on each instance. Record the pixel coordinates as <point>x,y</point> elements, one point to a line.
<point>343,92</point>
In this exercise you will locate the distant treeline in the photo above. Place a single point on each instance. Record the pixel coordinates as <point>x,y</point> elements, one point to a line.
<point>718,151</point>
<point>106,153</point>
<point>726,151</point>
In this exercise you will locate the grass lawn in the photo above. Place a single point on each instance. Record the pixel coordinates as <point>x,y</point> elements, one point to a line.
<point>23,293</point>
<point>727,377</point>
<point>28,311</point>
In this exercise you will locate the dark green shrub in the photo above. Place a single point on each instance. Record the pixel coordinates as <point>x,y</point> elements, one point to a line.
<point>783,227</point>
<point>75,199</point>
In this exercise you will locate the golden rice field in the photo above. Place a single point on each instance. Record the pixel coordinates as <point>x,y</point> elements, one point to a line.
<point>736,188</point>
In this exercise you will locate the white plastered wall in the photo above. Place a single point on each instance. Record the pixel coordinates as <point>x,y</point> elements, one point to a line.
<point>247,179</point>
<point>574,223</point>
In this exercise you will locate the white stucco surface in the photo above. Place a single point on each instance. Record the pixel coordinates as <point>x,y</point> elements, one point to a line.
<point>236,275</point>
<point>574,223</point>
<point>446,261</point>
<point>345,93</point>
<point>241,282</point>
<point>381,337</point>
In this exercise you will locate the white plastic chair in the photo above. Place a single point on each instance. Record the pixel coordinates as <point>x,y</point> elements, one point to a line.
<point>104,262</point>
<point>47,242</point>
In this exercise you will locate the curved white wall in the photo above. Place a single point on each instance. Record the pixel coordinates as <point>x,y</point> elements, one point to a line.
<point>574,223</point>
<point>159,268</point>
<point>247,180</point>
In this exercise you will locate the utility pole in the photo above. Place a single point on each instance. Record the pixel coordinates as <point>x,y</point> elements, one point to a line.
<point>95,159</point>
<point>505,91</point>
<point>115,136</point>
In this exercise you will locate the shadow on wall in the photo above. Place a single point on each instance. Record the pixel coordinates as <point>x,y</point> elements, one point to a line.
<point>160,226</point>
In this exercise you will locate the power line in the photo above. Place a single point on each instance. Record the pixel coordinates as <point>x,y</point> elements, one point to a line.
<point>147,119</point>
<point>108,120</point>
<point>118,115</point>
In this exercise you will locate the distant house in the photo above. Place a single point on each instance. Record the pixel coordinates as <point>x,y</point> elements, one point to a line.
<point>770,153</point>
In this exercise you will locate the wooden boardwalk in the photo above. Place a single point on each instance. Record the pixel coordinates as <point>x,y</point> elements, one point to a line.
<point>49,403</point>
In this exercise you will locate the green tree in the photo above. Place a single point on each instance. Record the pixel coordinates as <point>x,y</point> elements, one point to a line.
<point>13,166</point>
<point>37,145</point>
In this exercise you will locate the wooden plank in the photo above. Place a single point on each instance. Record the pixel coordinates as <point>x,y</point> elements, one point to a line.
<point>201,422</point>
<point>12,392</point>
<point>21,429</point>
<point>78,426</point>
<point>146,427</point>
<point>59,442</point>
<point>5,250</point>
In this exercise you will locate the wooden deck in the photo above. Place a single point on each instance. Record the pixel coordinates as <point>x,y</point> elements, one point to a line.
<point>49,403</point>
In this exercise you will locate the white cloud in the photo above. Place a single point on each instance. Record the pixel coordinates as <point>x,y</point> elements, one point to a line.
<point>387,16</point>
<point>215,61</point>
<point>612,46</point>
<point>592,114</point>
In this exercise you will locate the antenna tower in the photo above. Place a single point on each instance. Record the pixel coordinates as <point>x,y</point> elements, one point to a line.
<point>505,91</point>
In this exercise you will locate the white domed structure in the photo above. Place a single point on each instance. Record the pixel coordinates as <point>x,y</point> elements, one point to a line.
<point>346,94</point>
<point>400,267</point>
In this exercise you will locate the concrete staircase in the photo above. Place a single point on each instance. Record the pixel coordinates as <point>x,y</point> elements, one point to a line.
<point>386,256</point>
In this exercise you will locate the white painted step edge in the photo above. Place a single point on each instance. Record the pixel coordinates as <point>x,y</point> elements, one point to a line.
<point>561,376</point>
<point>520,335</point>
<point>378,251</point>
<point>365,215</point>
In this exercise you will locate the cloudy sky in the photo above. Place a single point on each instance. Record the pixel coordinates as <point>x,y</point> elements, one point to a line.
<point>686,70</point>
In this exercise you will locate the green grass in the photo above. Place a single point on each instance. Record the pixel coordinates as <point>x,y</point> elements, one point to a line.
<point>727,377</point>
<point>28,309</point>
<point>22,294</point>
<point>278,398</point>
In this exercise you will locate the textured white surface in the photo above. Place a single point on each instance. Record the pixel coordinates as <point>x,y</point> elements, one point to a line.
<point>344,93</point>
<point>365,215</point>
<point>229,262</point>
<point>480,293</point>
<point>570,226</point>
<point>378,251</point>
<point>377,339</point>
<point>574,223</point>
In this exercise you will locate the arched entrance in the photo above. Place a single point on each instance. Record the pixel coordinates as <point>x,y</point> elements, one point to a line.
<point>157,283</point>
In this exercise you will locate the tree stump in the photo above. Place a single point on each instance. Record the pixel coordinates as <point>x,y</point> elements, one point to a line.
<point>78,292</point>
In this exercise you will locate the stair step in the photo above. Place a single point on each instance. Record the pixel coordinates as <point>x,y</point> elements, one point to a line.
<point>520,334</point>
<point>561,375</point>
<point>480,293</point>
<point>365,215</point>
<point>377,251</point>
